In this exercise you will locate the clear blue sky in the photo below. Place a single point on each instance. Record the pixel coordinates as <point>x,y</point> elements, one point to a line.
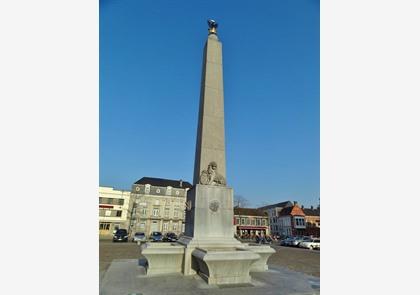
<point>150,71</point>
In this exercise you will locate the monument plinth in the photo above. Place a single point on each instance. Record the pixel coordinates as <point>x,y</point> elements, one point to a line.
<point>209,246</point>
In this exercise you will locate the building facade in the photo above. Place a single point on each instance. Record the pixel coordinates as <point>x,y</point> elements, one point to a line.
<point>291,221</point>
<point>273,212</point>
<point>159,205</point>
<point>313,221</point>
<point>249,222</point>
<point>114,210</point>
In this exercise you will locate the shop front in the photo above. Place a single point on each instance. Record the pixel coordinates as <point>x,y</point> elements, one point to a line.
<point>251,231</point>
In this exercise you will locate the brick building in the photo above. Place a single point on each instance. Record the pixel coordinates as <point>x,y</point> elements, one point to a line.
<point>250,221</point>
<point>313,221</point>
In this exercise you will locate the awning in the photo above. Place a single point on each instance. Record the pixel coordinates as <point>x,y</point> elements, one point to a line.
<point>252,227</point>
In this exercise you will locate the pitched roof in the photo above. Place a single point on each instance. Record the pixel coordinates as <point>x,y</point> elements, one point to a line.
<point>282,205</point>
<point>311,212</point>
<point>248,211</point>
<point>294,210</point>
<point>164,182</point>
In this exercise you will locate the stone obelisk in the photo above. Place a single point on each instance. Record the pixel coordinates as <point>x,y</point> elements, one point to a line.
<point>210,146</point>
<point>209,212</point>
<point>208,246</point>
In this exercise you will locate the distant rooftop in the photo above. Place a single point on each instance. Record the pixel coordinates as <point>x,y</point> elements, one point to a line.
<point>292,210</point>
<point>111,188</point>
<point>164,182</point>
<point>282,205</point>
<point>248,211</point>
<point>312,212</point>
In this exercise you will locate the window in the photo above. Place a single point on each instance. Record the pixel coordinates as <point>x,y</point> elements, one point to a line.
<point>155,212</point>
<point>243,221</point>
<point>253,221</point>
<point>104,226</point>
<point>119,212</point>
<point>107,212</point>
<point>263,222</point>
<point>176,211</point>
<point>247,221</point>
<point>175,226</point>
<point>143,211</point>
<point>169,190</point>
<point>177,193</point>
<point>237,220</point>
<point>258,221</point>
<point>165,226</point>
<point>166,212</point>
<point>121,202</point>
<point>158,191</point>
<point>147,188</point>
<point>101,200</point>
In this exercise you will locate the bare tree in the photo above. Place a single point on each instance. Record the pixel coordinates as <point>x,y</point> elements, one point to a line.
<point>240,201</point>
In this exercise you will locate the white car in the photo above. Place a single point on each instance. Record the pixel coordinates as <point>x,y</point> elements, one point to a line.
<point>312,244</point>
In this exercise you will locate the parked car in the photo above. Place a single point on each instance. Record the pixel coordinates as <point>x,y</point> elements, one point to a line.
<point>121,235</point>
<point>156,236</point>
<point>139,237</point>
<point>170,237</point>
<point>296,242</point>
<point>286,241</point>
<point>311,244</point>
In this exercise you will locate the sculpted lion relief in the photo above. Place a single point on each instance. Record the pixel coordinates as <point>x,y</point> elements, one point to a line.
<point>211,176</point>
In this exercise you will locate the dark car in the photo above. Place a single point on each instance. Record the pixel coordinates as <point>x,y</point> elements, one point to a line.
<point>121,235</point>
<point>156,236</point>
<point>170,237</point>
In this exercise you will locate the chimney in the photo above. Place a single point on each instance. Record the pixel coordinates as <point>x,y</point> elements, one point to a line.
<point>180,182</point>
<point>295,203</point>
<point>302,207</point>
<point>312,207</point>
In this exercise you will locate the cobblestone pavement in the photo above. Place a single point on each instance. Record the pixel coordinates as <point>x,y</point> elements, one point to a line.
<point>301,260</point>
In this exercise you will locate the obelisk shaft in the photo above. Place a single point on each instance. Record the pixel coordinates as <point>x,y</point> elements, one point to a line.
<point>210,145</point>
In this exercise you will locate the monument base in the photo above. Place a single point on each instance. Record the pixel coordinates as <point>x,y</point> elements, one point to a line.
<point>222,266</point>
<point>264,253</point>
<point>208,247</point>
<point>163,258</point>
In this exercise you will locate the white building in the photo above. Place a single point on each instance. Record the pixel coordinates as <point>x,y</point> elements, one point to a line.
<point>114,210</point>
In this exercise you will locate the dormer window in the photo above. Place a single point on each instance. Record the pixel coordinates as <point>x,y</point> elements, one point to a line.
<point>147,188</point>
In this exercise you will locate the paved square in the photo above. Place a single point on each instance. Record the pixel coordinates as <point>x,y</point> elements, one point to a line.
<point>291,271</point>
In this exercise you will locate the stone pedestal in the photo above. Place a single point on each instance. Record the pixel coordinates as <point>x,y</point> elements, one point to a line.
<point>211,213</point>
<point>209,222</point>
<point>264,252</point>
<point>224,265</point>
<point>163,258</point>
